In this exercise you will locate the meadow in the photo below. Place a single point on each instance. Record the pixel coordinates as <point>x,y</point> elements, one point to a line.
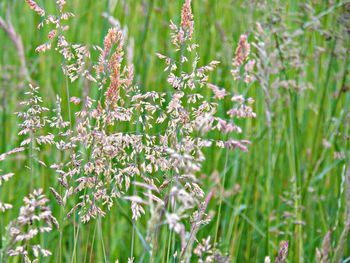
<point>175,131</point>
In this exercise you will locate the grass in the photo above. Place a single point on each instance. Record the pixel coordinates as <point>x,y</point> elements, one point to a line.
<point>287,176</point>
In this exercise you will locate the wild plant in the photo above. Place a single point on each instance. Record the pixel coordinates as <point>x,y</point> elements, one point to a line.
<point>167,132</point>
<point>6,177</point>
<point>282,253</point>
<point>15,37</point>
<point>192,116</point>
<point>209,253</point>
<point>282,64</point>
<point>33,121</point>
<point>120,144</point>
<point>34,217</point>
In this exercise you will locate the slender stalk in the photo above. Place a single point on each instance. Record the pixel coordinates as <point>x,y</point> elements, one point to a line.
<point>133,220</point>
<point>60,33</point>
<point>73,259</point>
<point>17,42</point>
<point>293,122</point>
<point>87,244</point>
<point>92,243</point>
<point>323,98</point>
<point>186,252</point>
<point>268,183</point>
<point>169,246</point>
<point>343,240</point>
<point>31,157</point>
<point>101,237</point>
<point>221,197</point>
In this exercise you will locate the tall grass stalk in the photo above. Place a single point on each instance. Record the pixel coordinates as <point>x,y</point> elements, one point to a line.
<point>222,190</point>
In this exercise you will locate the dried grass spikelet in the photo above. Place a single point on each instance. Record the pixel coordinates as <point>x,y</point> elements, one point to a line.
<point>219,93</point>
<point>187,19</point>
<point>119,78</point>
<point>241,56</point>
<point>34,217</point>
<point>184,32</point>
<point>197,220</point>
<point>283,252</point>
<point>323,254</point>
<point>60,4</point>
<point>36,8</point>
<point>115,68</point>
<point>16,150</point>
<point>43,47</point>
<point>208,252</point>
<point>113,89</point>
<point>113,36</point>
<point>242,51</point>
<point>52,34</point>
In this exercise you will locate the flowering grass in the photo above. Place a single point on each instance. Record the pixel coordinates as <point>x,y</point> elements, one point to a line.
<point>174,131</point>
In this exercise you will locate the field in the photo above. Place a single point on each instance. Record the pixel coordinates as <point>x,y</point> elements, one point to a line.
<point>175,131</point>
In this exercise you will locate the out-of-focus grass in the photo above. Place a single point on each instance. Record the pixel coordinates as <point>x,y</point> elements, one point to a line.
<point>296,143</point>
